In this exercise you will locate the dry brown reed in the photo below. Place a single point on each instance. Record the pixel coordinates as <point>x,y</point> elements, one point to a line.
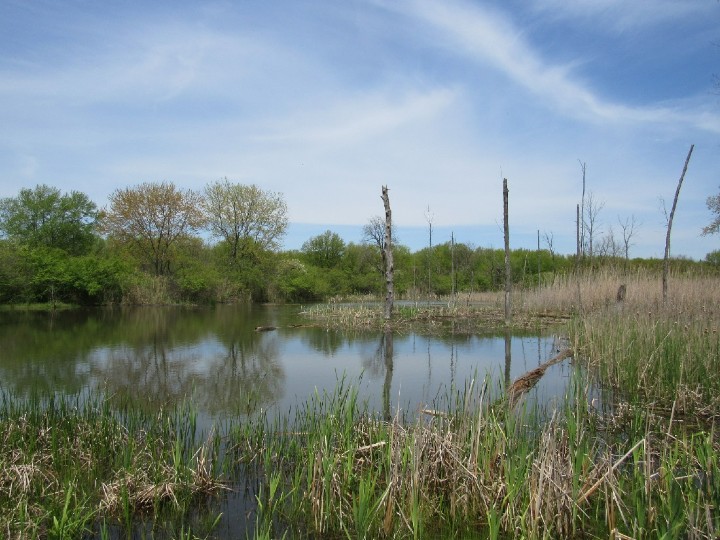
<point>590,291</point>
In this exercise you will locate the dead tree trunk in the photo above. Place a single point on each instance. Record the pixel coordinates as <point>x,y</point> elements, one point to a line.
<point>388,256</point>
<point>452,266</point>
<point>577,236</point>
<point>508,276</point>
<point>666,263</point>
<point>583,166</point>
<point>538,259</point>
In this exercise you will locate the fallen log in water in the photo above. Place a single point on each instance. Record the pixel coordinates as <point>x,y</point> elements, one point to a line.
<point>527,381</point>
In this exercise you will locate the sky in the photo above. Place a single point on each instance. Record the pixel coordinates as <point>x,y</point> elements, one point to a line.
<point>327,101</point>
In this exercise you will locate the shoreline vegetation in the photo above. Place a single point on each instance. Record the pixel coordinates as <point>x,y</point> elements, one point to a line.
<point>631,452</point>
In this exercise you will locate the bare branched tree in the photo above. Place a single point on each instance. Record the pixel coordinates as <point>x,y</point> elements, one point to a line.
<point>628,227</point>
<point>152,218</point>
<point>591,223</point>
<point>549,238</point>
<point>609,245</point>
<point>374,232</point>
<point>244,214</point>
<point>429,216</point>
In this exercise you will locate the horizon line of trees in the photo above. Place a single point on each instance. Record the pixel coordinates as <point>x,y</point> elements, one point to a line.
<point>144,247</point>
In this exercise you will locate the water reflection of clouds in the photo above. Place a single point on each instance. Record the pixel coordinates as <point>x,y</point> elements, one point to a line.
<point>423,368</point>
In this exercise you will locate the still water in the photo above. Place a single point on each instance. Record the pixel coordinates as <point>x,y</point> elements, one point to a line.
<point>214,358</point>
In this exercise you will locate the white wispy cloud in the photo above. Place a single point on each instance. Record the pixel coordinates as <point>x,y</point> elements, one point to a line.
<point>155,66</point>
<point>621,15</point>
<point>437,99</point>
<point>489,36</point>
<point>357,117</point>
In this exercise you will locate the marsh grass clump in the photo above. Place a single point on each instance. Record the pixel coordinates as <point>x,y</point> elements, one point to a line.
<point>450,315</point>
<point>667,359</point>
<point>67,464</point>
<point>477,467</point>
<point>660,355</point>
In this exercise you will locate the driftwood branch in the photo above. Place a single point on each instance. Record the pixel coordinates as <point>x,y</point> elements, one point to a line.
<point>597,484</point>
<point>527,381</point>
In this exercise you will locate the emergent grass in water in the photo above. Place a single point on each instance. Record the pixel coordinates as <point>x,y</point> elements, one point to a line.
<point>470,466</point>
<point>477,468</point>
<point>68,468</point>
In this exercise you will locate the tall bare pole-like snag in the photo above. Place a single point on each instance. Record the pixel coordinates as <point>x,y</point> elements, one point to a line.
<point>578,253</point>
<point>429,218</point>
<point>577,236</point>
<point>666,263</point>
<point>388,257</point>
<point>452,265</point>
<point>538,259</point>
<point>506,229</point>
<point>583,167</point>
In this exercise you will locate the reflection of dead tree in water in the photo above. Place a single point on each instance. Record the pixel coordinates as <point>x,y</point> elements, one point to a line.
<point>508,358</point>
<point>387,341</point>
<point>528,381</point>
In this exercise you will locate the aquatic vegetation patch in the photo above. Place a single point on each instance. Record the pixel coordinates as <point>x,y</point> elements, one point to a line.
<point>66,466</point>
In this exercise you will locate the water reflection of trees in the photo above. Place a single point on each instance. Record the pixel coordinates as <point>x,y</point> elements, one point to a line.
<point>508,358</point>
<point>213,358</point>
<point>39,350</point>
<point>239,377</point>
<point>381,362</point>
<point>323,340</point>
<point>249,376</point>
<point>387,342</point>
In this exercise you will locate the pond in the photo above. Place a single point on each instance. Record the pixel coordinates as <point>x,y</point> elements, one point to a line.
<point>214,358</point>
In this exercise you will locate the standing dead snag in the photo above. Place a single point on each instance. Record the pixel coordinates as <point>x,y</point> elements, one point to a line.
<point>506,228</point>
<point>388,257</point>
<point>666,262</point>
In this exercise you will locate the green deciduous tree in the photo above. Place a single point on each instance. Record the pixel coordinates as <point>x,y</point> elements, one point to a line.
<point>244,216</point>
<point>152,218</point>
<point>45,217</point>
<point>713,258</point>
<point>325,250</point>
<point>713,204</point>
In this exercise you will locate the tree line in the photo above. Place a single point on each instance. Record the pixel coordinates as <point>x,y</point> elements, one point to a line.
<point>155,244</point>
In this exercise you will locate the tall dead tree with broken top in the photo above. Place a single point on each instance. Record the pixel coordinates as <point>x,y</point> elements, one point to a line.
<point>666,262</point>
<point>388,257</point>
<point>506,229</point>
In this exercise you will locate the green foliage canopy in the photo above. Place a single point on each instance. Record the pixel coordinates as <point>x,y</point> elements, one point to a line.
<point>152,218</point>
<point>244,216</point>
<point>325,250</point>
<point>45,217</point>
<point>713,204</point>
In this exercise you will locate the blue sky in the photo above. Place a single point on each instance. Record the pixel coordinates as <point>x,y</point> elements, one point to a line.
<point>326,101</point>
